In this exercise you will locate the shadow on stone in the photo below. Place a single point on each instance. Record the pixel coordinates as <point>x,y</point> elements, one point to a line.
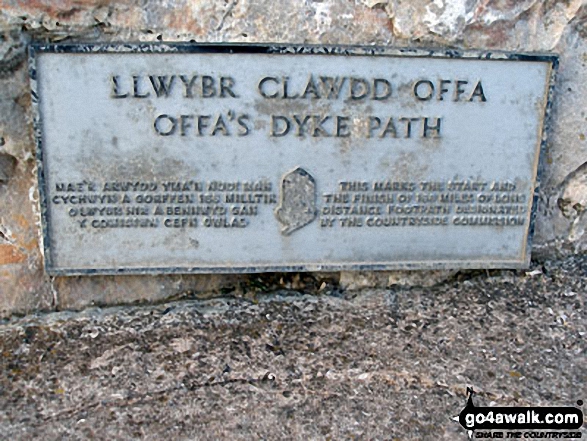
<point>7,167</point>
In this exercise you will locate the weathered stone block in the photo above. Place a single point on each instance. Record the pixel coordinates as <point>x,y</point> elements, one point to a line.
<point>528,25</point>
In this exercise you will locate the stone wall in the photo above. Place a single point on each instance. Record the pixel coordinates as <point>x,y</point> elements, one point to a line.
<point>558,26</point>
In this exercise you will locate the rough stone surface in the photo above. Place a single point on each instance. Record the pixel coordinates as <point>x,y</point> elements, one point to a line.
<point>529,25</point>
<point>376,364</point>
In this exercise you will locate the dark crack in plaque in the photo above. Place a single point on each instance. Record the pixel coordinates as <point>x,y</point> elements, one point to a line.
<point>298,201</point>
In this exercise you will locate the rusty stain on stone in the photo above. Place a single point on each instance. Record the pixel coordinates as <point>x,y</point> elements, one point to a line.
<point>9,254</point>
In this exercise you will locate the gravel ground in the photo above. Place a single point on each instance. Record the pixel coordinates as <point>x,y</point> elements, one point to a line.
<point>370,364</point>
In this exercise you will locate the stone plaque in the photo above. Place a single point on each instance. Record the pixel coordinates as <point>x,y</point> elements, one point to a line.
<point>206,158</point>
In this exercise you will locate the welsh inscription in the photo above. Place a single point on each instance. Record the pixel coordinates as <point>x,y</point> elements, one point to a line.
<point>199,161</point>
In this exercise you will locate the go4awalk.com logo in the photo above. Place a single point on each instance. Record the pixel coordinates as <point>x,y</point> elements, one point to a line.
<point>520,422</point>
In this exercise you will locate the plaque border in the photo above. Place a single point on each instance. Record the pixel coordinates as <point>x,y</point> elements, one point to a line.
<point>36,48</point>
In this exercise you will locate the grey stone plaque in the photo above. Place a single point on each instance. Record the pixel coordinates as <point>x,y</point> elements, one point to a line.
<point>184,158</point>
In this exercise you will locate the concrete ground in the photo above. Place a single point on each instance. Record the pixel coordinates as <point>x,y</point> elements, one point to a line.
<point>370,364</point>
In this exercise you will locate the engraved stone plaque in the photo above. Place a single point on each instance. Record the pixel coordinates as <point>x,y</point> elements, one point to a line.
<point>183,158</point>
